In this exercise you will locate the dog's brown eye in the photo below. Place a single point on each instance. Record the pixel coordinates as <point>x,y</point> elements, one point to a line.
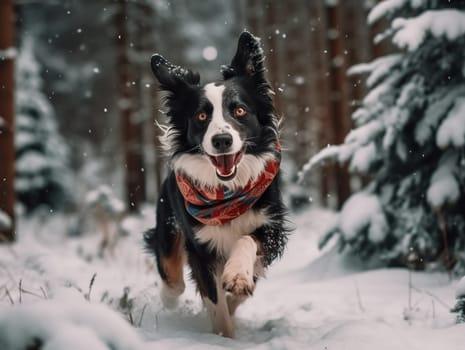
<point>240,112</point>
<point>202,116</point>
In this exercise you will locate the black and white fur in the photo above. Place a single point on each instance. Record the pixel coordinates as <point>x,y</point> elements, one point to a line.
<point>208,121</point>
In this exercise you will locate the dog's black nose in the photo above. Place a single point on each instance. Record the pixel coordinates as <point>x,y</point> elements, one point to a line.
<point>222,142</point>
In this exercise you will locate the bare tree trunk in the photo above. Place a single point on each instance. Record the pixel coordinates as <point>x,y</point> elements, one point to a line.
<point>130,128</point>
<point>7,148</point>
<point>149,25</point>
<point>321,90</point>
<point>339,94</point>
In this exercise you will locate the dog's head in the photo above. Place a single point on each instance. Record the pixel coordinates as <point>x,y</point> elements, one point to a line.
<point>222,132</point>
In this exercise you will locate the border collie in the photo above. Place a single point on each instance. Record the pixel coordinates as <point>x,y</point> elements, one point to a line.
<point>220,208</point>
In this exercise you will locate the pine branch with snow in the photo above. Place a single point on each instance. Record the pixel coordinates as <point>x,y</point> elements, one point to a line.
<point>409,137</point>
<point>5,221</point>
<point>459,307</point>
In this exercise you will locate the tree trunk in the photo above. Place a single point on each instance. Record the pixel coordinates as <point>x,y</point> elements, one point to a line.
<point>321,90</point>
<point>130,128</point>
<point>7,147</point>
<point>339,102</point>
<point>149,26</point>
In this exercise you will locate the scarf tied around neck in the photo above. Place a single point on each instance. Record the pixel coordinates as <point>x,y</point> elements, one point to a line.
<point>218,206</point>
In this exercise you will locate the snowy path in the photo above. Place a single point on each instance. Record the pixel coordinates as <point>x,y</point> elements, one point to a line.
<point>326,302</point>
<point>309,300</point>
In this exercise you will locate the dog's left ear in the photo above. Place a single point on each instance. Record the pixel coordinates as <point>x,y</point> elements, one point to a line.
<point>248,60</point>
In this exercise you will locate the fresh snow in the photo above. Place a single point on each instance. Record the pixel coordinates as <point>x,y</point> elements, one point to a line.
<point>5,220</point>
<point>362,158</point>
<point>104,197</point>
<point>383,9</point>
<point>443,188</point>
<point>310,299</point>
<point>73,325</point>
<point>8,53</point>
<point>410,33</point>
<point>32,162</point>
<point>378,69</point>
<point>438,105</point>
<point>452,129</point>
<point>363,210</point>
<point>329,152</point>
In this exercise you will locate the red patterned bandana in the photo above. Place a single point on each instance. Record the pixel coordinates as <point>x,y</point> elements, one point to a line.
<point>217,206</point>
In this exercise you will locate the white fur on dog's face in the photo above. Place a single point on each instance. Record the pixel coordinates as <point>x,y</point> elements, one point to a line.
<point>218,123</point>
<point>200,169</point>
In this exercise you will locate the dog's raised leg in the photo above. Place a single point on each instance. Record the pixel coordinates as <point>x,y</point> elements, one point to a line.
<point>238,274</point>
<point>173,283</point>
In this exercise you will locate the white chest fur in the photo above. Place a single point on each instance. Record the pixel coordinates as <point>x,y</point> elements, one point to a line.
<point>223,237</point>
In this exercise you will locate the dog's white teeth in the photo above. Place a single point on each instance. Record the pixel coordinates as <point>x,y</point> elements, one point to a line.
<point>233,170</point>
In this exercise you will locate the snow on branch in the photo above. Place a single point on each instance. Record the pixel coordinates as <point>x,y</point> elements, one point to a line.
<point>376,93</point>
<point>443,186</point>
<point>355,141</point>
<point>452,129</point>
<point>439,104</point>
<point>5,221</point>
<point>8,53</point>
<point>363,210</point>
<point>384,8</point>
<point>365,133</point>
<point>103,197</point>
<point>410,33</point>
<point>363,157</point>
<point>378,68</point>
<point>331,152</point>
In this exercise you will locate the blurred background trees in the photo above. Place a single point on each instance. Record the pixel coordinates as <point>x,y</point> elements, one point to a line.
<point>96,104</point>
<point>96,76</point>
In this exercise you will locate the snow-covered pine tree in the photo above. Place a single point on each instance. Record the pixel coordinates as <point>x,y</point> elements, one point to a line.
<point>459,307</point>
<point>409,138</point>
<point>42,173</point>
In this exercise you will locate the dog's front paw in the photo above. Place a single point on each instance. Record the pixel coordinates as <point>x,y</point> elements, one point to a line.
<point>239,284</point>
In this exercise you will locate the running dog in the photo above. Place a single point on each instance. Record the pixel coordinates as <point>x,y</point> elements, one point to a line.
<point>220,208</point>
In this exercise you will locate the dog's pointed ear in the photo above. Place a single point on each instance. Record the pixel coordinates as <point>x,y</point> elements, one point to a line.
<point>248,60</point>
<point>170,76</point>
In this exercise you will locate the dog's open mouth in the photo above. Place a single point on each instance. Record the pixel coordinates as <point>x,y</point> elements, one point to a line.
<point>226,165</point>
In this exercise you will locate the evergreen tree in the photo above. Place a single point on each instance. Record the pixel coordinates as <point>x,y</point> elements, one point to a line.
<point>42,174</point>
<point>409,138</point>
<point>459,307</point>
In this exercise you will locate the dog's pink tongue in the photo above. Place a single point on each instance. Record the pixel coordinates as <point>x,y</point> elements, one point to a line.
<point>225,164</point>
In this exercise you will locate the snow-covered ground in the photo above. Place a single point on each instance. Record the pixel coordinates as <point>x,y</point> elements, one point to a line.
<point>310,299</point>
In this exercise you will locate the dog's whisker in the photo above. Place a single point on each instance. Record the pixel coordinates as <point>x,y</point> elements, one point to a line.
<point>195,148</point>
